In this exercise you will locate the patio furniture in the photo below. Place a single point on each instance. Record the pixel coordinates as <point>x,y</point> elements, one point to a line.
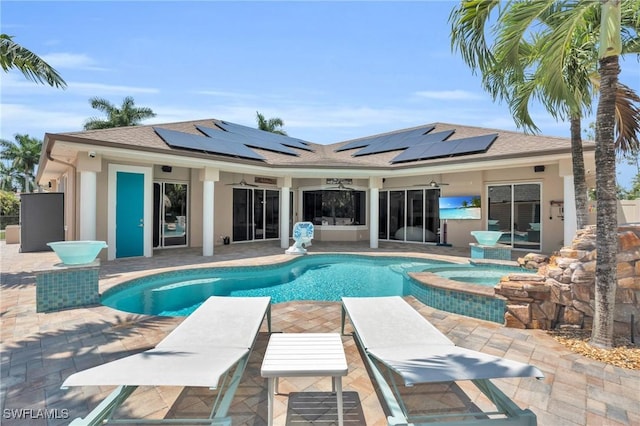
<point>210,348</point>
<point>304,355</point>
<point>397,341</point>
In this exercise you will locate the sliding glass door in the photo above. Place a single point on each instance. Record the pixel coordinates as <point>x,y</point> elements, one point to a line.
<point>514,209</point>
<point>409,215</point>
<point>256,214</point>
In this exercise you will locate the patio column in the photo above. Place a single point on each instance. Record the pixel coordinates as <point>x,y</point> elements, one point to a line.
<point>88,191</point>
<point>88,165</point>
<point>374,206</point>
<point>208,176</point>
<point>284,212</point>
<point>570,220</point>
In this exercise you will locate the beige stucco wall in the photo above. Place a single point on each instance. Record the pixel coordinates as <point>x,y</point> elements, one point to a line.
<point>458,231</point>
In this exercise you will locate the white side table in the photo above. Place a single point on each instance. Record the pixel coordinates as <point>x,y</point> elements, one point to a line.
<point>304,355</point>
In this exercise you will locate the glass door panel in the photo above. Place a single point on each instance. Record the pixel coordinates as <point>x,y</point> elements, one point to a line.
<point>527,224</point>
<point>272,214</point>
<point>432,215</point>
<point>258,214</point>
<point>396,215</point>
<point>242,214</point>
<point>382,215</point>
<point>499,212</point>
<point>170,215</point>
<point>415,216</point>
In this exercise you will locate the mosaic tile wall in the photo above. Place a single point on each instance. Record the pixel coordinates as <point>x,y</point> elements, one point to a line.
<point>67,288</point>
<point>485,308</point>
<point>483,252</point>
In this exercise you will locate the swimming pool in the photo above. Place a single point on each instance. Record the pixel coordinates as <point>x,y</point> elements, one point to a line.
<point>318,277</point>
<point>322,277</point>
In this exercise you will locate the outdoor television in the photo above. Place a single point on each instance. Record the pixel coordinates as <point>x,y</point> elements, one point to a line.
<point>460,207</point>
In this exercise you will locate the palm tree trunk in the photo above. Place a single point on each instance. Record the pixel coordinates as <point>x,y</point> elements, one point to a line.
<point>579,179</point>
<point>606,220</point>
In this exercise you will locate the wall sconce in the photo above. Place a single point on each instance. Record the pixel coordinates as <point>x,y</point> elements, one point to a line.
<point>538,169</point>
<point>167,169</point>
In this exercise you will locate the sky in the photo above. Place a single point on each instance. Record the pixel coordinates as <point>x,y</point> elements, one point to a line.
<point>332,71</point>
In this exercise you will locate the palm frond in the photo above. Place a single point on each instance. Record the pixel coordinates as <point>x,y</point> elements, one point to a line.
<point>469,30</point>
<point>12,55</point>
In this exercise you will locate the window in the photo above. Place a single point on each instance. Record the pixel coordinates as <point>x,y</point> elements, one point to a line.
<point>334,208</point>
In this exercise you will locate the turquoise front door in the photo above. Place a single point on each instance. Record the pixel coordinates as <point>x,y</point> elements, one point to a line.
<point>129,214</point>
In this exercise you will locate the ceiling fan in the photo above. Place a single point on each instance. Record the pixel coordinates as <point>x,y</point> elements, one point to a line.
<point>433,184</point>
<point>242,183</point>
<point>341,187</point>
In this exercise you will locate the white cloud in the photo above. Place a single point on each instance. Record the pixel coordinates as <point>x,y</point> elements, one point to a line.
<point>16,84</point>
<point>99,89</point>
<point>19,118</point>
<point>449,95</point>
<point>64,60</point>
<point>224,94</point>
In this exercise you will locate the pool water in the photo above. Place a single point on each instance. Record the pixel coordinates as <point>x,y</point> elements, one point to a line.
<point>317,277</point>
<point>473,274</point>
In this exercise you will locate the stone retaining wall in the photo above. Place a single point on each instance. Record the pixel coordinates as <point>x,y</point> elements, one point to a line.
<point>563,292</point>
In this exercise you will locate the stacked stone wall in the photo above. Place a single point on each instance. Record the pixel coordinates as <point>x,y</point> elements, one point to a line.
<point>563,292</point>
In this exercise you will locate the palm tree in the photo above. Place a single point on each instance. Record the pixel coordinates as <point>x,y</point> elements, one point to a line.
<point>524,63</point>
<point>12,55</point>
<point>546,49</point>
<point>606,233</point>
<point>8,177</point>
<point>272,125</point>
<point>23,154</point>
<point>127,115</point>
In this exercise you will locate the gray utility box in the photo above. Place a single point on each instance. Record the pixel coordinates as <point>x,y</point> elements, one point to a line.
<point>41,220</point>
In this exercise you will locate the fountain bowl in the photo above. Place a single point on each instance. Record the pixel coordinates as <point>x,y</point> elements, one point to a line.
<point>487,238</point>
<point>77,252</point>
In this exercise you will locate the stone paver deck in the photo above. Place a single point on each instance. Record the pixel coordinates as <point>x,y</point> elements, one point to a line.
<point>39,350</point>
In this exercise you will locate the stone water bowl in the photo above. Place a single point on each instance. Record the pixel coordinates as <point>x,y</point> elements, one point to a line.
<point>487,238</point>
<point>77,252</point>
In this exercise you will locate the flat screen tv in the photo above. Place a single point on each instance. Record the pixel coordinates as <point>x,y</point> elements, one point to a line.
<point>460,207</point>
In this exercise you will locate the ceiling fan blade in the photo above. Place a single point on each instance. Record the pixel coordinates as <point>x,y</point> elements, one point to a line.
<point>243,183</point>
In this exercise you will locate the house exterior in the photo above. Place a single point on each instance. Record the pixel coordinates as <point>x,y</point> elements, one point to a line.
<point>209,182</point>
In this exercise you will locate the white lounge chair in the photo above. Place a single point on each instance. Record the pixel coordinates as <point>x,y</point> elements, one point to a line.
<point>210,348</point>
<point>394,337</point>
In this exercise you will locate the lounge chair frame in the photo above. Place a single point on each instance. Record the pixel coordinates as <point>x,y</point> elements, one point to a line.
<point>509,413</point>
<point>228,384</point>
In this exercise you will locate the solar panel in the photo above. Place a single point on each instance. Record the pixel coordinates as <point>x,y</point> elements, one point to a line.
<point>245,140</point>
<point>403,141</point>
<point>475,144</point>
<point>375,144</point>
<point>354,145</point>
<point>274,140</point>
<point>446,148</point>
<point>177,139</point>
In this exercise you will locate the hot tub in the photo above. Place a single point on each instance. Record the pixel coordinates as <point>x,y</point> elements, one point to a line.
<point>77,252</point>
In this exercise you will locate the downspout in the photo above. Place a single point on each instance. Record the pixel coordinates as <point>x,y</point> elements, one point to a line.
<point>55,160</point>
<point>75,184</point>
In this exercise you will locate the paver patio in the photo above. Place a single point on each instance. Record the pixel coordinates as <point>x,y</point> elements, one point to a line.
<point>39,350</point>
